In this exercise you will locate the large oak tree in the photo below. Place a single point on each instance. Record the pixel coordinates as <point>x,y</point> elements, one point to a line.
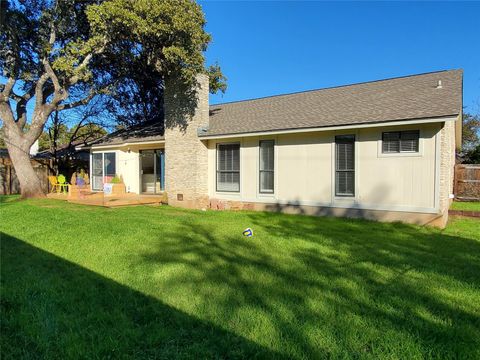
<point>59,54</point>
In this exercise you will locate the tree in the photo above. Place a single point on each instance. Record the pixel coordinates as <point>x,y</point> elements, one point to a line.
<point>87,123</point>
<point>472,156</point>
<point>470,152</point>
<point>470,131</point>
<point>60,54</point>
<point>2,141</point>
<point>137,98</point>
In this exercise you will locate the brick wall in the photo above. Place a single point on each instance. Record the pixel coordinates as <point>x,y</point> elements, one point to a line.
<point>186,164</point>
<point>447,167</point>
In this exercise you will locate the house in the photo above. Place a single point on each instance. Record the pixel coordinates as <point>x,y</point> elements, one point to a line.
<point>381,150</point>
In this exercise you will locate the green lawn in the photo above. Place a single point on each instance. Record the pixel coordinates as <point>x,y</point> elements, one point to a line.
<point>466,205</point>
<point>160,282</point>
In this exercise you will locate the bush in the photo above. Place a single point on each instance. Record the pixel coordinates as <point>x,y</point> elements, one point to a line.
<point>116,180</point>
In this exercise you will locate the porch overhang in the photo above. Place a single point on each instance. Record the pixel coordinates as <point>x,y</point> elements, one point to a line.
<point>119,145</point>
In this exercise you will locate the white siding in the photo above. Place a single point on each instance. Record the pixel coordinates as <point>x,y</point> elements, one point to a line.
<point>304,171</point>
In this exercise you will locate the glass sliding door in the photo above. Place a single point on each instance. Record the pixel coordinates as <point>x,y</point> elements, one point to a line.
<point>152,171</point>
<point>148,171</point>
<point>103,169</point>
<point>97,171</point>
<point>109,168</point>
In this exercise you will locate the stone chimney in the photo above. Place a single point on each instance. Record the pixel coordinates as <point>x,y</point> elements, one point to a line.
<point>186,156</point>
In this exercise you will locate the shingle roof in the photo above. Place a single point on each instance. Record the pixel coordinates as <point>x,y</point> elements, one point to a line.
<point>150,131</point>
<point>410,97</point>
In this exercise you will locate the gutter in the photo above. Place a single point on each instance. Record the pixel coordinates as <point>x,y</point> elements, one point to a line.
<point>330,128</point>
<point>93,147</point>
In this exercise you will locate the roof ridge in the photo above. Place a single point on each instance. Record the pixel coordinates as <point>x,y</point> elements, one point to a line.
<point>336,86</point>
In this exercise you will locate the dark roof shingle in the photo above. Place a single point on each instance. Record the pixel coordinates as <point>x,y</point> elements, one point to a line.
<point>149,131</point>
<point>410,97</point>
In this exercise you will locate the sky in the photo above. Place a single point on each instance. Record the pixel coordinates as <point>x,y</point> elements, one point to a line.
<point>276,47</point>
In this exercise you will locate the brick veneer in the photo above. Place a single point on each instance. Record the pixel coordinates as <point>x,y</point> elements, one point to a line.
<point>186,165</point>
<point>447,167</point>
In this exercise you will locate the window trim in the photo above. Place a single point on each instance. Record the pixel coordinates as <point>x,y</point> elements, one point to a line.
<point>269,171</point>
<point>400,152</point>
<point>354,171</point>
<point>239,167</point>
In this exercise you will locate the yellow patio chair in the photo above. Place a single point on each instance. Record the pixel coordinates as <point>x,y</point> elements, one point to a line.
<point>54,184</point>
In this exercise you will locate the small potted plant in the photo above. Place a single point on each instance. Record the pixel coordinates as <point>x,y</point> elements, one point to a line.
<point>118,187</point>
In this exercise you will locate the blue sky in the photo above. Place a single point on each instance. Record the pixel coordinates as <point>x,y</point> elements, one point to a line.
<point>267,48</point>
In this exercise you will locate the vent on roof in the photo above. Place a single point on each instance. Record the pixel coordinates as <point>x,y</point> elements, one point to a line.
<point>439,84</point>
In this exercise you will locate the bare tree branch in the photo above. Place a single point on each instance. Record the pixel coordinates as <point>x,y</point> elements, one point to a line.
<point>60,93</point>
<point>74,104</point>
<point>7,89</point>
<point>74,79</point>
<point>15,96</point>
<point>39,89</point>
<point>22,108</point>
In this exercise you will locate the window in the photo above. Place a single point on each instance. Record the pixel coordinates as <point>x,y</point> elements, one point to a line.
<point>345,165</point>
<point>400,141</point>
<point>228,167</point>
<point>97,171</point>
<point>109,164</point>
<point>267,165</point>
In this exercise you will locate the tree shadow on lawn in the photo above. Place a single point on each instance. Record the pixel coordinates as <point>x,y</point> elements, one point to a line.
<point>51,308</point>
<point>342,288</point>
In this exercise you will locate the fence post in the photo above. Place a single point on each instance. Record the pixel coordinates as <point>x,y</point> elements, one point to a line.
<point>455,179</point>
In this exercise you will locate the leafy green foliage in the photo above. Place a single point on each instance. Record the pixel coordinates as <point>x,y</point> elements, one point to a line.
<point>471,139</point>
<point>116,180</point>
<point>120,48</point>
<point>137,98</point>
<point>162,282</point>
<point>165,37</point>
<point>471,131</point>
<point>472,156</point>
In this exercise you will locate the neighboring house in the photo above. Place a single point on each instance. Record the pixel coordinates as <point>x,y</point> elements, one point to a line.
<point>381,150</point>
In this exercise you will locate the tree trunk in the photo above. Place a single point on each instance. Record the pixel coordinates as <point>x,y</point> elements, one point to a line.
<point>19,151</point>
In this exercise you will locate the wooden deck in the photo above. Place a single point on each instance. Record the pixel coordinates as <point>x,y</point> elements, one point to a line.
<point>99,199</point>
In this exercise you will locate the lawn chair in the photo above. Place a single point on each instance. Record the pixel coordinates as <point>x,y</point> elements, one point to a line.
<point>54,184</point>
<point>62,183</point>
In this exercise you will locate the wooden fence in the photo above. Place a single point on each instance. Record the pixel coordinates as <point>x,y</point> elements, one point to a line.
<point>9,183</point>
<point>467,182</point>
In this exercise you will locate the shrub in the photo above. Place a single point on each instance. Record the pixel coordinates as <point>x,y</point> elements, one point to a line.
<point>116,180</point>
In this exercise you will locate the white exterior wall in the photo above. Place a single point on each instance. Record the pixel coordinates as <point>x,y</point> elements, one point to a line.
<point>305,173</point>
<point>128,166</point>
<point>128,163</point>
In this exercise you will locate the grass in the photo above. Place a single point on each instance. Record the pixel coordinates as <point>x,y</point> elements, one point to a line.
<point>160,282</point>
<point>466,205</point>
